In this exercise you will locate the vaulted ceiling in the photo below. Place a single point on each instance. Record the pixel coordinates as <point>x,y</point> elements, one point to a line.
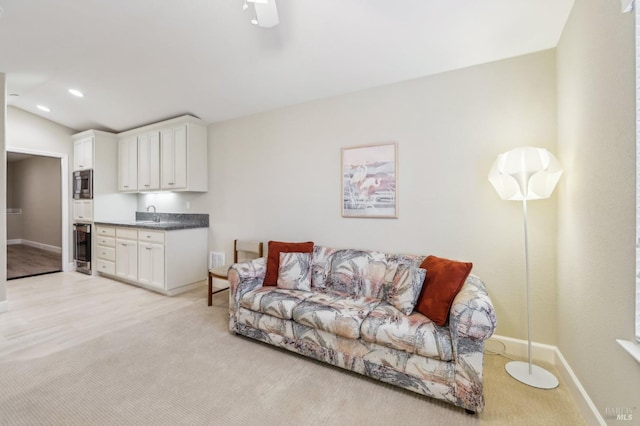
<point>141,61</point>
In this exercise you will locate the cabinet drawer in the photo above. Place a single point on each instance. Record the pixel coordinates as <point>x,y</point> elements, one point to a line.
<point>106,241</point>
<point>106,253</point>
<point>106,267</point>
<point>127,233</point>
<point>151,236</point>
<point>105,231</point>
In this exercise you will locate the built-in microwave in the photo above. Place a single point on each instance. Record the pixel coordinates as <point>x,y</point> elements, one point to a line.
<point>83,185</point>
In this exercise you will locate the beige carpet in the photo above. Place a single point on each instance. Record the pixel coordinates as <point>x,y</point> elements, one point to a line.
<point>184,368</point>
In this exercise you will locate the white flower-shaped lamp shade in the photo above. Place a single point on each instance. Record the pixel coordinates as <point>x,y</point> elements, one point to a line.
<point>525,173</point>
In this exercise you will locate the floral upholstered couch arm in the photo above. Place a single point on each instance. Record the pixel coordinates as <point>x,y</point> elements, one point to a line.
<point>472,320</point>
<point>472,315</point>
<point>244,277</point>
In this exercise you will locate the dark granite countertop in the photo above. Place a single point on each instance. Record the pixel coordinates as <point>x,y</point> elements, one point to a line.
<point>165,221</point>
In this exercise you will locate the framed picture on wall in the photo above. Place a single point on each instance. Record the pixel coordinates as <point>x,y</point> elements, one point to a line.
<point>370,181</point>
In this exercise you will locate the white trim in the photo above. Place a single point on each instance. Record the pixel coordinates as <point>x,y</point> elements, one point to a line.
<point>551,354</point>
<point>4,306</point>
<point>65,202</point>
<point>12,242</point>
<point>578,392</point>
<point>518,348</point>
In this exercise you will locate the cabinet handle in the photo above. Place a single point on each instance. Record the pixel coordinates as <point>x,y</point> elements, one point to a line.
<point>148,236</point>
<point>147,248</point>
<point>171,183</point>
<point>126,186</point>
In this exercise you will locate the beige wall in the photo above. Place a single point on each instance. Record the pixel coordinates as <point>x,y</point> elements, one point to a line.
<point>35,188</point>
<point>596,140</point>
<point>276,176</point>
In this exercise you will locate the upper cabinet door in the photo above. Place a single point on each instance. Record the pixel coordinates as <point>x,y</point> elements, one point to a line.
<point>174,158</point>
<point>128,164</point>
<point>83,154</point>
<point>149,161</point>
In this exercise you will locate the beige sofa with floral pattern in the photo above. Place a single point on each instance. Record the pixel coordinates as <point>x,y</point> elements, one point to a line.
<point>358,314</point>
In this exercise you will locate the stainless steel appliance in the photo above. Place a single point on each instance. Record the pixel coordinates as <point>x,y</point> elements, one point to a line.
<point>82,247</point>
<point>83,184</point>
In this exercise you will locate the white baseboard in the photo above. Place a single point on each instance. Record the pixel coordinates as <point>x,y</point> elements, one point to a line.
<point>36,245</point>
<point>4,306</point>
<point>518,348</point>
<point>551,354</point>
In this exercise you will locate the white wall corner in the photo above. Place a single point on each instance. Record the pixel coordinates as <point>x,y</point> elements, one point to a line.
<point>4,306</point>
<point>551,354</point>
<point>627,5</point>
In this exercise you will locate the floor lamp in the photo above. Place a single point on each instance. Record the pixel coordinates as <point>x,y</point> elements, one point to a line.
<point>527,174</point>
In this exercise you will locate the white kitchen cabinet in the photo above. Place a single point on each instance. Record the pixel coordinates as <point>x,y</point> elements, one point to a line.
<point>151,264</point>
<point>108,203</point>
<point>105,239</point>
<point>174,158</point>
<point>173,151</point>
<point>127,253</point>
<point>128,164</point>
<point>83,210</point>
<point>169,262</point>
<point>83,153</point>
<point>149,161</point>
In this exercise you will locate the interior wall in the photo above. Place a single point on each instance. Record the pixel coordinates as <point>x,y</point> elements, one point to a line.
<point>14,220</point>
<point>3,191</point>
<point>596,255</point>
<point>26,131</point>
<point>276,176</point>
<point>36,190</point>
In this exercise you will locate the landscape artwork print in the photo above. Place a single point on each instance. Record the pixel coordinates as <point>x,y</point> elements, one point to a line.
<point>369,181</point>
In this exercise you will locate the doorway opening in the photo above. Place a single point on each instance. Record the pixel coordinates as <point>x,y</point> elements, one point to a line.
<point>34,215</point>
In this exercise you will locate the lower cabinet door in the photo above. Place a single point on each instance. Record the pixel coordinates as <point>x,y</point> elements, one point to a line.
<point>127,259</point>
<point>151,264</point>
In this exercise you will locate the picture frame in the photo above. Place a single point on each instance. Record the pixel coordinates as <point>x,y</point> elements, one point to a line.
<point>369,181</point>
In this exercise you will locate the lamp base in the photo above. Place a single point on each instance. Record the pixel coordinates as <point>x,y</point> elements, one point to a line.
<point>538,378</point>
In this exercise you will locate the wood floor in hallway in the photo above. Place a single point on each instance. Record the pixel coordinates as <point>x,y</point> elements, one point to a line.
<point>27,261</point>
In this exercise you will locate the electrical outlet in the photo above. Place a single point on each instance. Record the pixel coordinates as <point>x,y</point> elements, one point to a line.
<point>188,205</point>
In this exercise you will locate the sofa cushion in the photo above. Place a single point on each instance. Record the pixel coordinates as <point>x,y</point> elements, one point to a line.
<point>334,312</point>
<point>273,257</point>
<point>294,272</point>
<point>321,265</point>
<point>273,301</point>
<point>444,280</point>
<point>405,288</point>
<point>358,272</point>
<point>414,333</point>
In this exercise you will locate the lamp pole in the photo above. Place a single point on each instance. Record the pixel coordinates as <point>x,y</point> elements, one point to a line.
<point>526,267</point>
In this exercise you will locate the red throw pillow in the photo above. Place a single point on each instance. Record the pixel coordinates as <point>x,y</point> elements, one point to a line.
<point>273,257</point>
<point>444,280</point>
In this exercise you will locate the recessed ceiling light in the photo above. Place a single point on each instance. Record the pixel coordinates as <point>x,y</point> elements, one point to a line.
<point>44,108</point>
<point>76,92</point>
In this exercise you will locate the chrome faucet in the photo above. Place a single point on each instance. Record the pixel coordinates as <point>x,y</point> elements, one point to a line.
<point>156,218</point>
